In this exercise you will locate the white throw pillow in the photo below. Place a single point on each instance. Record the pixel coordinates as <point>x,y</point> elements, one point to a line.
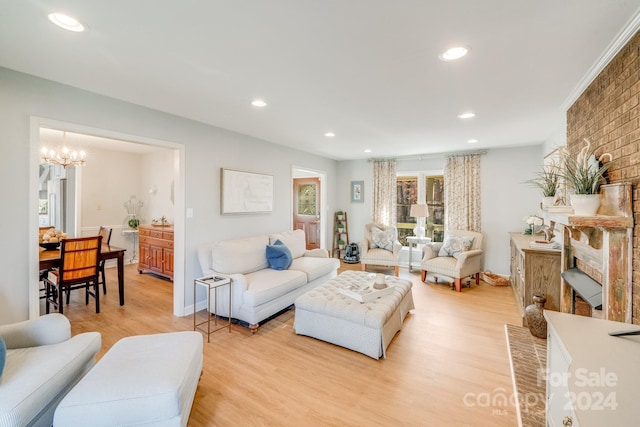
<point>240,255</point>
<point>383,239</point>
<point>294,240</point>
<point>454,246</point>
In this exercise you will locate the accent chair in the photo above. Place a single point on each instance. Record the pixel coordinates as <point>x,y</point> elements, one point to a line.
<point>380,247</point>
<point>458,256</point>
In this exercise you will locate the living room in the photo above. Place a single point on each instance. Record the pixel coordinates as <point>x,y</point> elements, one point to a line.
<point>31,101</point>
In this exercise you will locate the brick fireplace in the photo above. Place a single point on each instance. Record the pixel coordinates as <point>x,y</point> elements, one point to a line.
<point>608,114</point>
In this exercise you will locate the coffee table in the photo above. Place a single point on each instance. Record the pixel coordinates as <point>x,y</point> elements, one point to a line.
<point>366,327</point>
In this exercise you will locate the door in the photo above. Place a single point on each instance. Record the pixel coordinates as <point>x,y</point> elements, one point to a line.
<point>306,209</point>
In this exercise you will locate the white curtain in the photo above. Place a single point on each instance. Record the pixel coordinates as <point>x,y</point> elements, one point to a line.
<point>384,192</point>
<point>462,193</point>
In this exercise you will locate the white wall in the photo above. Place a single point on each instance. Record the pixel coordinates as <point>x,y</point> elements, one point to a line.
<point>358,214</point>
<point>207,149</point>
<point>107,179</point>
<point>156,185</point>
<point>505,198</point>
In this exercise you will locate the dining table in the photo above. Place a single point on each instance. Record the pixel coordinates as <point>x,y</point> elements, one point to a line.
<point>50,259</point>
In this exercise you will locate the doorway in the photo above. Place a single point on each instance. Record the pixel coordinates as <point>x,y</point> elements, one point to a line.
<point>308,210</point>
<point>177,191</point>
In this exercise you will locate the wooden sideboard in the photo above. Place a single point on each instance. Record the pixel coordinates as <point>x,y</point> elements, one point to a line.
<point>156,250</point>
<point>534,271</point>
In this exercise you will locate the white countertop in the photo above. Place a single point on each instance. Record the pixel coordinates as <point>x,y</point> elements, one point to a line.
<point>604,371</point>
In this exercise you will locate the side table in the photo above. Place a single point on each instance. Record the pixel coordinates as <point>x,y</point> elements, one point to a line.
<point>212,283</point>
<point>415,240</point>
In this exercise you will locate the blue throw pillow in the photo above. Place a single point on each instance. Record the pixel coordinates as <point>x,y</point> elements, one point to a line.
<point>3,355</point>
<point>279,256</point>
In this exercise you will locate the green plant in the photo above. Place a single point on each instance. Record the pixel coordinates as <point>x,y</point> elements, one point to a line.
<point>340,225</point>
<point>340,242</point>
<point>547,180</point>
<point>134,223</point>
<point>583,173</point>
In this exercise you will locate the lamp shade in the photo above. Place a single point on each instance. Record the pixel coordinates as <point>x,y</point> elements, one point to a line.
<point>419,211</point>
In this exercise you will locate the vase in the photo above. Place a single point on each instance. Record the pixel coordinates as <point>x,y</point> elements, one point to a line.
<point>534,315</point>
<point>585,204</point>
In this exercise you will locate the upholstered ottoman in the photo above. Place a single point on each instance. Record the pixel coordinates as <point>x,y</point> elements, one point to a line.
<point>142,380</point>
<point>326,314</point>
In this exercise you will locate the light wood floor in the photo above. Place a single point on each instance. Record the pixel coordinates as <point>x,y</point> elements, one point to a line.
<point>445,367</point>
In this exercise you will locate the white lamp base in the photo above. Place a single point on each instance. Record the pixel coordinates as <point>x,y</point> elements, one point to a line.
<point>419,232</point>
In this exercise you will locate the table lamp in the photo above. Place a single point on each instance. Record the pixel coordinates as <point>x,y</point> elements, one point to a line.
<point>419,211</point>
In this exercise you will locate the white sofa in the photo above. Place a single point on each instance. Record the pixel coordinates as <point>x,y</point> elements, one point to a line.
<point>258,291</point>
<point>43,363</point>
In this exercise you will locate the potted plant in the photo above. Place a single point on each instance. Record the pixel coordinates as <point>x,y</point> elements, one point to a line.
<point>584,174</point>
<point>340,215</point>
<point>547,181</point>
<point>341,244</point>
<point>340,226</point>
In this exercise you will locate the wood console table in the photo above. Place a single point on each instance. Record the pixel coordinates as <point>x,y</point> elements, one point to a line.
<point>156,250</point>
<point>534,272</point>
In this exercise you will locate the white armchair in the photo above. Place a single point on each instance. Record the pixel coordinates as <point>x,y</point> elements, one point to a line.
<point>43,362</point>
<point>458,256</point>
<point>380,247</point>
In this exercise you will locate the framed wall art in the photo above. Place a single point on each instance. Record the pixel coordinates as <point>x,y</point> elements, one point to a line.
<point>245,192</point>
<point>357,191</point>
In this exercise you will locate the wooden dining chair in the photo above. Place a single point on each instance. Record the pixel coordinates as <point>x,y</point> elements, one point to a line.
<point>79,268</point>
<point>105,232</point>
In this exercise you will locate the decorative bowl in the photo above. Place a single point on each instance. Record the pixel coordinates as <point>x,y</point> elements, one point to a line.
<point>50,246</point>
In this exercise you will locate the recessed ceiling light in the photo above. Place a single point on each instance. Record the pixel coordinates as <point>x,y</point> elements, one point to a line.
<point>259,103</point>
<point>472,141</point>
<point>329,134</point>
<point>367,150</point>
<point>466,115</point>
<point>67,22</point>
<point>454,53</point>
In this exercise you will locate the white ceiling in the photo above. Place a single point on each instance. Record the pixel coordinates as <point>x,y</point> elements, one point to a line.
<point>367,70</point>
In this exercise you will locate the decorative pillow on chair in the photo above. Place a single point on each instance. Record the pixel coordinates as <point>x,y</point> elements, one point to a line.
<point>454,246</point>
<point>279,256</point>
<point>383,239</point>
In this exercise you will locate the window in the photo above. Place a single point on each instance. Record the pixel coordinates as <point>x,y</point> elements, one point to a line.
<point>407,196</point>
<point>435,201</point>
<point>423,187</point>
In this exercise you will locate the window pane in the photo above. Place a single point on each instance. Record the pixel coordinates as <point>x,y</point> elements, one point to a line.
<point>307,199</point>
<point>407,196</point>
<point>434,186</point>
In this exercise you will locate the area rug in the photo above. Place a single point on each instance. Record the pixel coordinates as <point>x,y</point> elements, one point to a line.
<point>528,359</point>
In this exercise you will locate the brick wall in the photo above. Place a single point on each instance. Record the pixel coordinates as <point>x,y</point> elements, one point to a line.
<point>608,114</point>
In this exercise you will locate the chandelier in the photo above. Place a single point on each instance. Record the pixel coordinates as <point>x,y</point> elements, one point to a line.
<point>63,156</point>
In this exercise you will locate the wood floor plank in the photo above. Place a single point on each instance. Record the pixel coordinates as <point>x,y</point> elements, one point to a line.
<point>445,367</point>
